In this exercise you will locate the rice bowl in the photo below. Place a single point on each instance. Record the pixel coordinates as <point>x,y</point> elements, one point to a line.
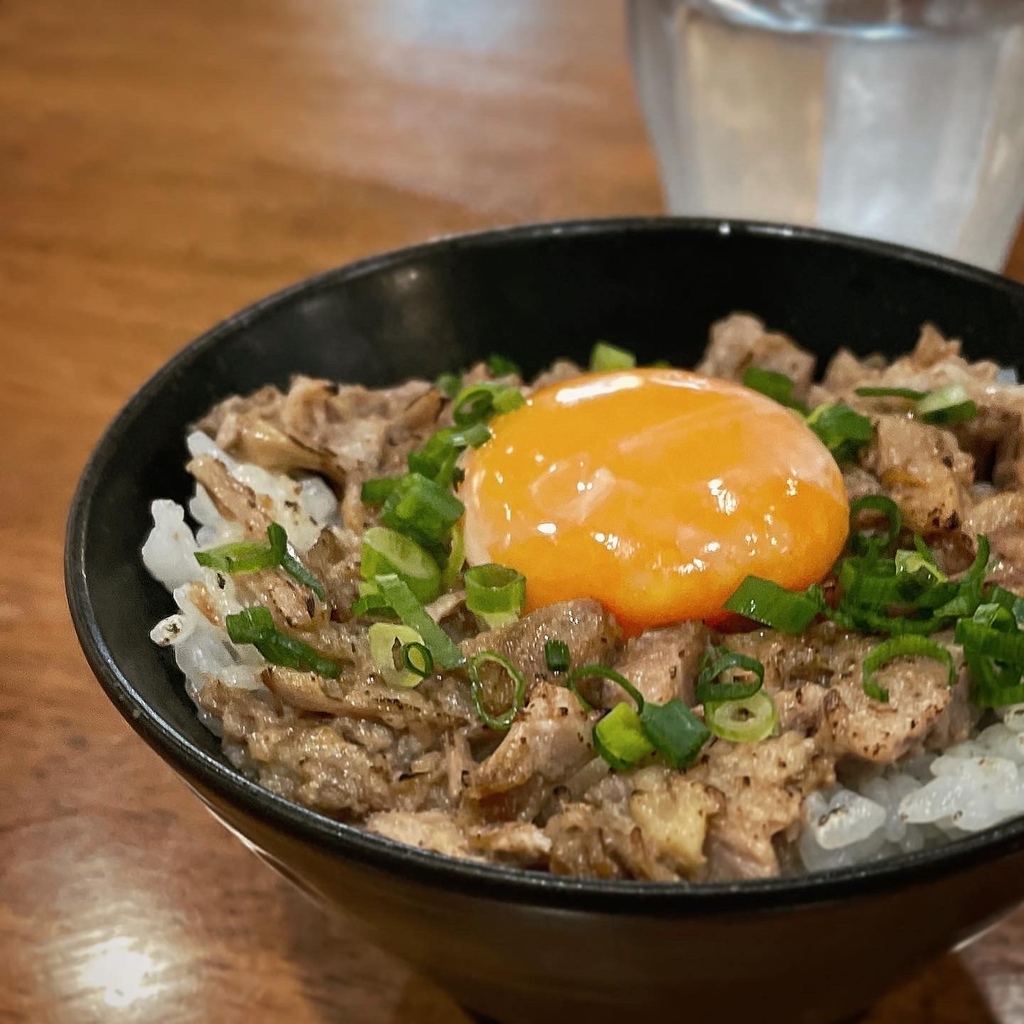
<point>518,945</point>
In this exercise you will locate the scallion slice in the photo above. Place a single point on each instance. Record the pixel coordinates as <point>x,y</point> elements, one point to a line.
<point>626,735</point>
<point>861,542</point>
<point>675,731</point>
<point>291,565</point>
<point>449,384</point>
<point>604,356</point>
<point>908,393</point>
<point>388,641</point>
<point>416,657</point>
<point>901,647</point>
<point>557,656</point>
<point>912,562</point>
<point>718,661</point>
<point>388,551</point>
<point>402,600</point>
<point>1008,600</point>
<point>947,406</point>
<point>601,672</point>
<point>766,602</point>
<point>240,556</point>
<point>496,593</point>
<point>748,720</point>
<point>500,366</point>
<point>455,561</point>
<point>253,555</point>
<point>377,490</point>
<point>370,600</point>
<point>438,458</point>
<point>255,625</point>
<point>774,385</point>
<point>620,739</point>
<point>506,718</point>
<point>421,509</point>
<point>479,402</point>
<point>990,640</point>
<point>841,429</point>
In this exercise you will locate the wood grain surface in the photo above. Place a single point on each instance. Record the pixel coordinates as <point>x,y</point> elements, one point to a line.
<point>160,166</point>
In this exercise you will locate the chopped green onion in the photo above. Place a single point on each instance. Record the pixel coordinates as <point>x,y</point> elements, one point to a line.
<point>416,657</point>
<point>255,625</point>
<point>601,672</point>
<point>971,587</point>
<point>909,393</point>
<point>842,430</point>
<point>291,565</point>
<point>626,735</point>
<point>717,661</point>
<point>455,561</point>
<point>860,542</point>
<point>388,551</point>
<point>994,652</point>
<point>994,685</point>
<point>378,490</point>
<point>449,384</point>
<point>301,574</point>
<point>876,584</point>
<point>370,600</point>
<point>872,588</point>
<point>388,642</point>
<point>438,458</point>
<point>421,509</point>
<point>914,561</point>
<point>776,386</point>
<point>947,405</point>
<point>250,624</point>
<point>496,593</point>
<point>766,602</point>
<point>505,719</point>
<point>557,656</point>
<point>620,739</point>
<point>499,366</point>
<point>413,614</point>
<point>1008,600</point>
<point>479,402</point>
<point>900,647</point>
<point>749,720</point>
<point>240,556</point>
<point>604,356</point>
<point>675,731</point>
<point>990,640</point>
<point>995,616</point>
<point>252,555</point>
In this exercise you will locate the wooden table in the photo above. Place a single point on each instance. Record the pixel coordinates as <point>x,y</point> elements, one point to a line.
<point>160,166</point>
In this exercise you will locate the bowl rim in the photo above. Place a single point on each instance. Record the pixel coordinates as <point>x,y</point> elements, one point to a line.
<point>486,880</point>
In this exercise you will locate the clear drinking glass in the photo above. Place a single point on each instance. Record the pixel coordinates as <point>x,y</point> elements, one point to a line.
<point>896,120</point>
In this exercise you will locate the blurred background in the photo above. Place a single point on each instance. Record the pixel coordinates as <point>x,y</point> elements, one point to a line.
<point>162,165</point>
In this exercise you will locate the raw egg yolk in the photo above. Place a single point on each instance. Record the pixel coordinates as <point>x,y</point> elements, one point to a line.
<point>655,491</point>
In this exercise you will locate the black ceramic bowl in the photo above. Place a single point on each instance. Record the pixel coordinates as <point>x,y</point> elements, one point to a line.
<point>515,946</point>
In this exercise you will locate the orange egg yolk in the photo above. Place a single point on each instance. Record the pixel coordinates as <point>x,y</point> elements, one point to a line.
<point>655,491</point>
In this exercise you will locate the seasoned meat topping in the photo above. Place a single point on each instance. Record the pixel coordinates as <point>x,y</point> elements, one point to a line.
<point>429,764</point>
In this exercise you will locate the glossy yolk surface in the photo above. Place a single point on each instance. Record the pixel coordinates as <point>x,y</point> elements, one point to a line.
<point>655,491</point>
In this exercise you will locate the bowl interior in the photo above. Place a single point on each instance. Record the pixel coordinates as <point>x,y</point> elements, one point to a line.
<point>532,294</point>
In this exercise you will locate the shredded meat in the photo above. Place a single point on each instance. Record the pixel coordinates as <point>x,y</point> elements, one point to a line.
<point>740,341</point>
<point>422,766</point>
<point>661,663</point>
<point>762,786</point>
<point>589,631</point>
